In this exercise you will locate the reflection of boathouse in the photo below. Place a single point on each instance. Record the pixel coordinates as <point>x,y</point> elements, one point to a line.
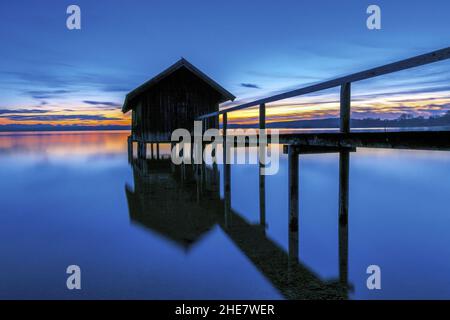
<point>164,200</point>
<point>182,203</point>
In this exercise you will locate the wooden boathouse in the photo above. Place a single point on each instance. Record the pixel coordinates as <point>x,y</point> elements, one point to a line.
<point>173,99</point>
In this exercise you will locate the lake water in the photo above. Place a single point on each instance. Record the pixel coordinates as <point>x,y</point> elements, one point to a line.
<point>73,198</point>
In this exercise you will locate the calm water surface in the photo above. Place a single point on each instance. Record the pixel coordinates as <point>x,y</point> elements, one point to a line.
<point>72,198</point>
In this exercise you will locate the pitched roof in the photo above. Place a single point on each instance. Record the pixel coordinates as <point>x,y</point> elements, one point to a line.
<point>225,95</point>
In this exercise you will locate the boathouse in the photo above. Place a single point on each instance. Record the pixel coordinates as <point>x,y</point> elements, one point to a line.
<point>173,99</point>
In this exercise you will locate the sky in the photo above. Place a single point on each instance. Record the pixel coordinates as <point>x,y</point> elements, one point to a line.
<point>52,75</point>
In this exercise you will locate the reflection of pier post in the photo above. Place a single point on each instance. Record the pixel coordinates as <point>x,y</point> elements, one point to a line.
<point>226,173</point>
<point>200,175</point>
<point>262,186</point>
<point>293,203</point>
<point>227,193</point>
<point>344,159</point>
<point>262,160</point>
<point>183,172</point>
<point>198,179</point>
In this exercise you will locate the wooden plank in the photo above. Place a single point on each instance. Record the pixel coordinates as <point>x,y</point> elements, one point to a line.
<point>413,62</point>
<point>306,149</point>
<point>419,140</point>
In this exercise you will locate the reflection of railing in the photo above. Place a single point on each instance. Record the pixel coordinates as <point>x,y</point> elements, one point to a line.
<point>343,82</point>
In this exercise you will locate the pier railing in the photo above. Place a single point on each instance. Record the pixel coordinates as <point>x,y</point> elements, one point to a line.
<point>343,82</point>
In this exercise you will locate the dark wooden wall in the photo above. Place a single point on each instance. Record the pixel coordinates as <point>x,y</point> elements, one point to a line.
<point>173,103</point>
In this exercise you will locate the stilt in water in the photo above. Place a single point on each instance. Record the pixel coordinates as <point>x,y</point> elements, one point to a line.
<point>142,150</point>
<point>130,149</point>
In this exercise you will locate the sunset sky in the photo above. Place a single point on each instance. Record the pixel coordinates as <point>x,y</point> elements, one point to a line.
<point>52,75</point>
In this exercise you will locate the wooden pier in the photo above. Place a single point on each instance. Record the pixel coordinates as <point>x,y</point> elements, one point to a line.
<point>157,110</point>
<point>435,140</point>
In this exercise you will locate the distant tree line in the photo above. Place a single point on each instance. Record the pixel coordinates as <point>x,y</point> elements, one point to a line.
<point>404,120</point>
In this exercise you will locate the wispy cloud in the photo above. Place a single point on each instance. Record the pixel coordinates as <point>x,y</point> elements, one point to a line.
<point>250,85</point>
<point>102,103</point>
<point>47,94</point>
<point>20,111</point>
<point>59,117</point>
<point>284,75</point>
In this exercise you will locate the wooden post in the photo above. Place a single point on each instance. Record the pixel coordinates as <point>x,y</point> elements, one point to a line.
<point>293,204</point>
<point>225,142</point>
<point>224,124</point>
<point>262,116</point>
<point>172,146</point>
<point>157,151</point>
<point>344,163</point>
<point>142,150</point>
<point>139,150</point>
<point>345,107</point>
<point>130,149</point>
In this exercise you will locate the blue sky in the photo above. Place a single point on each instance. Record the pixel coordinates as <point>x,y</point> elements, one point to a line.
<point>252,48</point>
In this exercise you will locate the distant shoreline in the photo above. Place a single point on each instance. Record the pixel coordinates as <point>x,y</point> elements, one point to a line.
<point>44,128</point>
<point>403,121</point>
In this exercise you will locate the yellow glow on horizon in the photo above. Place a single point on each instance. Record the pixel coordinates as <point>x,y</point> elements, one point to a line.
<point>398,104</point>
<point>111,117</point>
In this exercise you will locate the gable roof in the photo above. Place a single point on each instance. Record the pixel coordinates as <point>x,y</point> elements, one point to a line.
<point>225,95</point>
